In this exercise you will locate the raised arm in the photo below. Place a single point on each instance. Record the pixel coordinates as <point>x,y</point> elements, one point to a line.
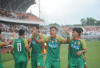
<point>83,48</point>
<point>38,41</point>
<point>8,42</point>
<point>12,48</point>
<point>68,36</point>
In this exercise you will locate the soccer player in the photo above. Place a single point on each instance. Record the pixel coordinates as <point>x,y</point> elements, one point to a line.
<point>37,49</point>
<point>53,48</point>
<point>2,44</point>
<point>19,50</point>
<point>76,48</point>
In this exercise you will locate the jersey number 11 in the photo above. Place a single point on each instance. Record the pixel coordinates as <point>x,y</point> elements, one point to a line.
<point>19,47</point>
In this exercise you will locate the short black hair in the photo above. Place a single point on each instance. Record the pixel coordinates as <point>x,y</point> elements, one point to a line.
<point>78,30</point>
<point>0,31</point>
<point>81,29</point>
<point>21,32</point>
<point>53,27</point>
<point>37,26</point>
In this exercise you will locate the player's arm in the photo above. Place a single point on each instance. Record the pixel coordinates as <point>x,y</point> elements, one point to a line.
<point>12,49</point>
<point>28,55</point>
<point>62,40</point>
<point>83,48</point>
<point>38,41</point>
<point>29,42</point>
<point>8,42</point>
<point>68,36</point>
<point>42,36</point>
<point>85,56</point>
<point>27,46</point>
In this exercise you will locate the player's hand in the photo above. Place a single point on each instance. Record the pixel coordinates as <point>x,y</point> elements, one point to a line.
<point>7,51</point>
<point>67,32</point>
<point>79,53</point>
<point>34,32</point>
<point>85,57</point>
<point>29,39</point>
<point>12,35</point>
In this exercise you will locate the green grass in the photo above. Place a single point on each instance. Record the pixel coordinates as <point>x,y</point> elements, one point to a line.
<point>93,56</point>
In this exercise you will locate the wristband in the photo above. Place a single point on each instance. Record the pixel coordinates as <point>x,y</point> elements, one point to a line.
<point>12,38</point>
<point>9,51</point>
<point>68,35</point>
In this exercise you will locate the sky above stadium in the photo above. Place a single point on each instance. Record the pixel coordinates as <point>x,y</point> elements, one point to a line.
<point>67,12</point>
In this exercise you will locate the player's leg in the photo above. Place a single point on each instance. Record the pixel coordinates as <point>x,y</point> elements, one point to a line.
<point>17,64</point>
<point>56,64</point>
<point>24,64</point>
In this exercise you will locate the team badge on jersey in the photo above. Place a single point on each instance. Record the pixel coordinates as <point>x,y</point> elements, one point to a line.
<point>78,43</point>
<point>55,41</point>
<point>37,37</point>
<point>33,42</point>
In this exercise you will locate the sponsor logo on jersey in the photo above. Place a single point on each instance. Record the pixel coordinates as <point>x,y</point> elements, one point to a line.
<point>53,45</point>
<point>33,42</point>
<point>74,46</point>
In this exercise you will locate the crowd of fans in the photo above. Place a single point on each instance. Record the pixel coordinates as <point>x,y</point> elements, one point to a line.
<point>6,27</point>
<point>91,30</point>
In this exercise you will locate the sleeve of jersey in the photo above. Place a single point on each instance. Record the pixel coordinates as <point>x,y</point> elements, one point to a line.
<point>12,45</point>
<point>25,42</point>
<point>83,45</point>
<point>43,37</point>
<point>1,44</point>
<point>62,40</point>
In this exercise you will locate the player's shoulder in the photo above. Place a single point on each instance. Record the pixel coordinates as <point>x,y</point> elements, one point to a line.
<point>24,39</point>
<point>41,34</point>
<point>82,40</point>
<point>59,38</point>
<point>1,42</point>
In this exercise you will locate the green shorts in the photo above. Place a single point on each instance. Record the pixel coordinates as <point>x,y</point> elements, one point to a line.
<point>52,64</point>
<point>1,66</point>
<point>76,64</point>
<point>22,64</point>
<point>37,62</point>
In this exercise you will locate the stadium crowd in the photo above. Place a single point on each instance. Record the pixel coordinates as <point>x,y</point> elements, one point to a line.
<point>6,27</point>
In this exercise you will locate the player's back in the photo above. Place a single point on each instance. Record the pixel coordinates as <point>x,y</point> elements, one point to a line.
<point>19,50</point>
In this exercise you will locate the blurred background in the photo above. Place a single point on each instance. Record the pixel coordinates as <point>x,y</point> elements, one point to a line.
<point>64,14</point>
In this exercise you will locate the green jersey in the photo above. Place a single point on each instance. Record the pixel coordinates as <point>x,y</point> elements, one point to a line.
<point>74,47</point>
<point>36,53</point>
<point>20,53</point>
<point>37,48</point>
<point>53,48</point>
